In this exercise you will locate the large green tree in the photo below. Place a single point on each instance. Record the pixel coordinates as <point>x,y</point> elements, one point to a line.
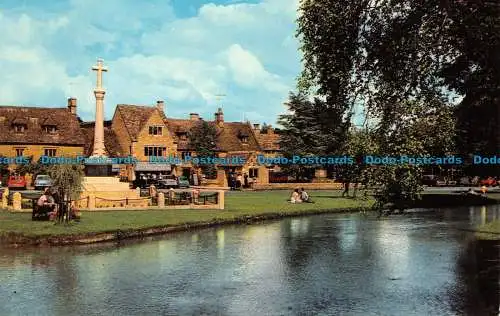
<point>203,140</point>
<point>68,178</point>
<point>302,135</point>
<point>403,61</point>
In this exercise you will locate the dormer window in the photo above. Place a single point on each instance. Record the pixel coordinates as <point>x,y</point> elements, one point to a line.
<point>50,129</point>
<point>49,126</point>
<point>20,128</point>
<point>182,136</point>
<point>243,137</point>
<point>20,124</point>
<point>156,130</point>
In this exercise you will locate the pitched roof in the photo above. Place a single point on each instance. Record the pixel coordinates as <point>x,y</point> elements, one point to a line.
<point>228,136</point>
<point>135,116</point>
<point>269,141</point>
<point>111,143</point>
<point>68,127</point>
<point>177,126</point>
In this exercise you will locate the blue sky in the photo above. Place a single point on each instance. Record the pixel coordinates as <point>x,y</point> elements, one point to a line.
<point>183,52</point>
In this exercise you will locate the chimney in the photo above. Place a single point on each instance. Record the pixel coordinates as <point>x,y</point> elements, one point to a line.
<point>194,117</point>
<point>72,105</point>
<point>219,117</point>
<point>160,105</point>
<point>256,128</point>
<point>270,129</point>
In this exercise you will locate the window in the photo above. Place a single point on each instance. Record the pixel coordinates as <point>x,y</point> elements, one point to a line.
<point>183,136</point>
<point>253,173</point>
<point>155,130</point>
<point>155,151</point>
<point>51,152</point>
<point>19,128</point>
<point>19,152</point>
<point>51,129</point>
<point>185,154</point>
<point>244,139</point>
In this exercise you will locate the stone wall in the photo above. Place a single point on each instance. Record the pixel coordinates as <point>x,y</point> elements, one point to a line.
<point>144,139</point>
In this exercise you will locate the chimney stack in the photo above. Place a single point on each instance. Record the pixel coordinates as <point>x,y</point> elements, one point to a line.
<point>160,105</point>
<point>270,129</point>
<point>256,128</point>
<point>194,117</point>
<point>72,105</point>
<point>219,117</point>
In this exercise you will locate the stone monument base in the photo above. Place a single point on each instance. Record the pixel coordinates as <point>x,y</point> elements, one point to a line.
<point>98,170</point>
<point>106,190</point>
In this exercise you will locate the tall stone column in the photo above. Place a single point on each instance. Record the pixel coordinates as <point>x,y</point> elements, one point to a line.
<point>99,92</point>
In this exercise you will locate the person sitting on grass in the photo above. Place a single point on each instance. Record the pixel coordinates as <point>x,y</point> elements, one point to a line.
<point>295,198</point>
<point>304,196</point>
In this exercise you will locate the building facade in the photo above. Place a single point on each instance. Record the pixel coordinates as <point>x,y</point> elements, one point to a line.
<point>139,131</point>
<point>35,132</point>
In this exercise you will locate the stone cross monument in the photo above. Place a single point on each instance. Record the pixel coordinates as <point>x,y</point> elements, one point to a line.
<point>99,92</point>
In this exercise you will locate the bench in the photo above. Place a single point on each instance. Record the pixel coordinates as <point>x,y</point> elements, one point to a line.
<point>40,213</point>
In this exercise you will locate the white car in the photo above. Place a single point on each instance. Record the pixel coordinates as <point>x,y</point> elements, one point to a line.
<point>42,181</point>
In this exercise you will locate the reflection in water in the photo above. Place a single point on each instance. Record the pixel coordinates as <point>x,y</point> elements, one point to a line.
<point>220,243</point>
<point>420,264</point>
<point>393,247</point>
<point>479,270</point>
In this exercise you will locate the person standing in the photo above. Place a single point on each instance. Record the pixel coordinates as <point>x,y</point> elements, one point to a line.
<point>246,180</point>
<point>347,184</point>
<point>238,181</point>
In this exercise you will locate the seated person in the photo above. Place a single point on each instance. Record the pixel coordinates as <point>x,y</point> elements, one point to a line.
<point>304,196</point>
<point>471,192</point>
<point>295,198</point>
<point>46,203</point>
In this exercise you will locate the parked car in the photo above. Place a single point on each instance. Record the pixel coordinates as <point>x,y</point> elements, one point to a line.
<point>183,182</point>
<point>451,183</point>
<point>465,181</point>
<point>429,180</point>
<point>441,182</point>
<point>42,181</point>
<point>167,182</point>
<point>489,182</point>
<point>17,182</point>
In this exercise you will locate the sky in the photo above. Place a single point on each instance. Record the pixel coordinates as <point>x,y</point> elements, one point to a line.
<point>183,52</point>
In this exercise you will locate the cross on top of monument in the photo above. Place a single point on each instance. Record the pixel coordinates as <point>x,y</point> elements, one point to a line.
<point>219,97</point>
<point>100,69</point>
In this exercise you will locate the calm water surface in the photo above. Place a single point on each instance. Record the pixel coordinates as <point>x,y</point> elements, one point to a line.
<point>424,263</point>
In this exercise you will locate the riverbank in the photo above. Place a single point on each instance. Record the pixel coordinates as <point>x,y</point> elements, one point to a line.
<point>489,231</point>
<point>241,207</point>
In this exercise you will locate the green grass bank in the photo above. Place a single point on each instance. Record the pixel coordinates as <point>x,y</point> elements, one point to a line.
<point>18,228</point>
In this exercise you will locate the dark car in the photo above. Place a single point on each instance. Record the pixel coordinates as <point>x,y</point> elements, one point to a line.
<point>429,180</point>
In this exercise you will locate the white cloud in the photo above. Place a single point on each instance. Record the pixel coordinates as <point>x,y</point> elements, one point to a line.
<point>246,51</point>
<point>248,71</point>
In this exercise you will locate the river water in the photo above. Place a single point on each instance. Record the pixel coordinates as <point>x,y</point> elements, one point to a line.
<point>424,263</point>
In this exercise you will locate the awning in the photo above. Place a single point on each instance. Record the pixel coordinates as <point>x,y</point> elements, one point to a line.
<point>147,166</point>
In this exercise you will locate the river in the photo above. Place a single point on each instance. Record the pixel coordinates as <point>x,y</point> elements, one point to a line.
<point>423,263</point>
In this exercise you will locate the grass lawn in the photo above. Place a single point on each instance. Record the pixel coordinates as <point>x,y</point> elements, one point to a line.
<point>490,231</point>
<point>237,204</point>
